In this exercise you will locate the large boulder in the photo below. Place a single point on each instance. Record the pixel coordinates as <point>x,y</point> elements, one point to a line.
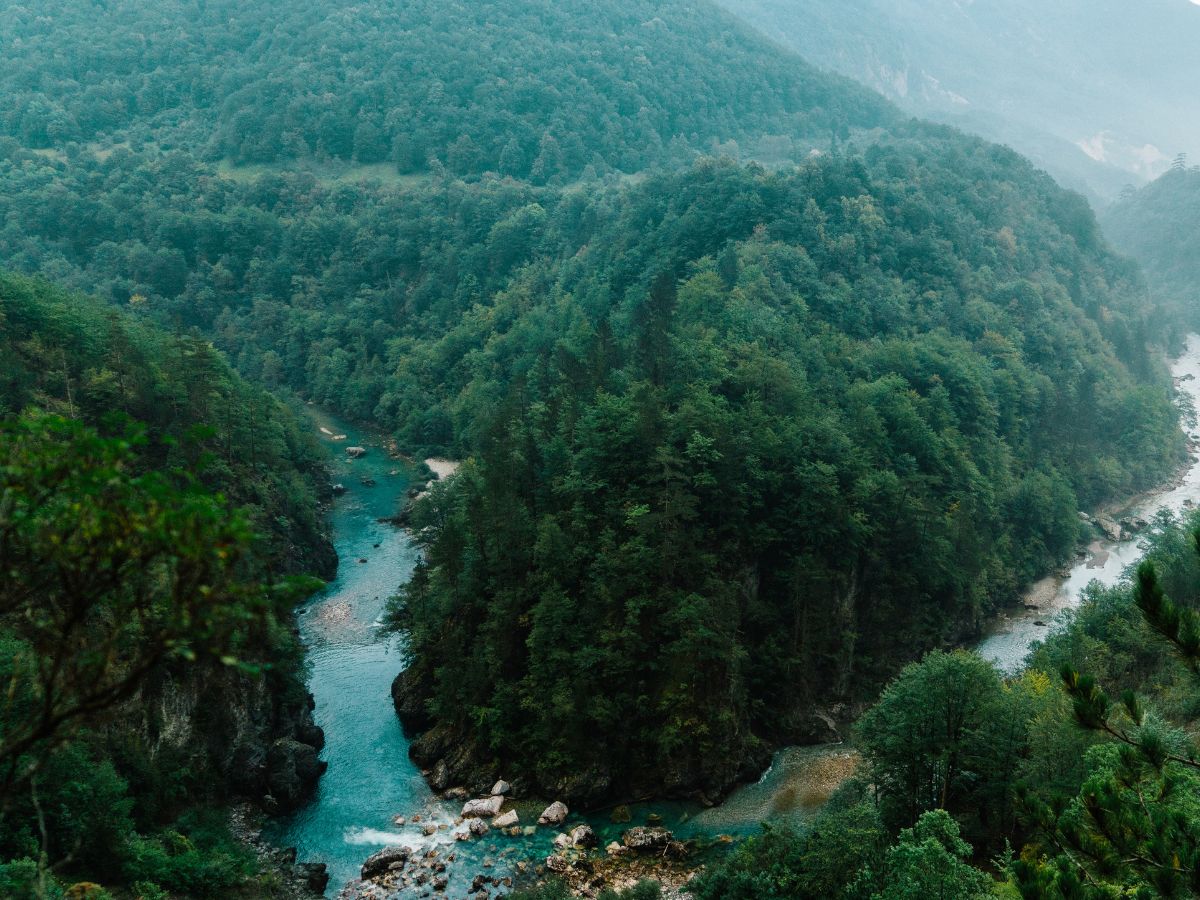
<point>583,836</point>
<point>485,806</point>
<point>356,452</point>
<point>292,770</point>
<point>382,862</point>
<point>501,787</point>
<point>507,820</point>
<point>555,814</point>
<point>644,838</point>
<point>478,827</point>
<point>1111,529</point>
<point>314,876</point>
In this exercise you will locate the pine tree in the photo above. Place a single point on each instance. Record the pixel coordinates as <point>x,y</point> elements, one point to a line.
<point>1132,826</point>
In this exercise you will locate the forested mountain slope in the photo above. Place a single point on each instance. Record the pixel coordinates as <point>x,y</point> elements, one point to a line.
<point>81,358</point>
<point>756,438</point>
<point>152,503</point>
<point>1066,83</point>
<point>525,87</point>
<point>1159,226</point>
<point>740,442</point>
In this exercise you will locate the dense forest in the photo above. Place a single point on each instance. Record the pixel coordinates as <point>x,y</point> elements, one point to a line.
<point>522,87</point>
<point>1042,786</point>
<point>152,502</point>
<point>1158,226</point>
<point>758,439</point>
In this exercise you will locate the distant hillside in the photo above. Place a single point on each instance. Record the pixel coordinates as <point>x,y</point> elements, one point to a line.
<point>1067,83</point>
<point>1160,227</point>
<point>525,87</point>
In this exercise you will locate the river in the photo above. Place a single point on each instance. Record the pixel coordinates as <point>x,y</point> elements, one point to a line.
<point>371,779</point>
<point>1010,637</point>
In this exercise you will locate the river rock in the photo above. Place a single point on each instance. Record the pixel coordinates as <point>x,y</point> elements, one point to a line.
<point>315,876</point>
<point>478,827</point>
<point>562,841</point>
<point>356,452</point>
<point>644,838</point>
<point>382,862</point>
<point>554,814</point>
<point>312,734</point>
<point>507,820</point>
<point>557,864</point>
<point>1111,529</point>
<point>583,836</point>
<point>615,849</point>
<point>292,770</point>
<point>485,806</point>
<point>501,787</point>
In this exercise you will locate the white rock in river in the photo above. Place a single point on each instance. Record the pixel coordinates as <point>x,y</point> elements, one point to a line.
<point>507,820</point>
<point>562,841</point>
<point>583,836</point>
<point>501,787</point>
<point>555,814</point>
<point>486,806</point>
<point>478,827</point>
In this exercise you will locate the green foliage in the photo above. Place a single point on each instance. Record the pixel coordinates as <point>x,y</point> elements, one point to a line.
<point>869,403</point>
<point>929,739</point>
<point>535,90</point>
<point>81,359</point>
<point>200,861</point>
<point>930,861</point>
<point>737,440</point>
<point>702,495</point>
<point>820,862</point>
<point>846,854</point>
<point>557,890</point>
<point>108,575</point>
<point>122,566</point>
<point>1132,829</point>
<point>22,880</point>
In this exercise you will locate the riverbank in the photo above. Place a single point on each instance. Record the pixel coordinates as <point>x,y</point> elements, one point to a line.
<point>1106,558</point>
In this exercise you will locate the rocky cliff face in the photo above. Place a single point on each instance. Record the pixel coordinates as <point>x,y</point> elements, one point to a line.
<point>255,734</point>
<point>452,759</point>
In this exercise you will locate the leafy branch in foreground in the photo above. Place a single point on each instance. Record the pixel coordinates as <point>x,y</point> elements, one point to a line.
<point>106,573</point>
<point>1135,824</point>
